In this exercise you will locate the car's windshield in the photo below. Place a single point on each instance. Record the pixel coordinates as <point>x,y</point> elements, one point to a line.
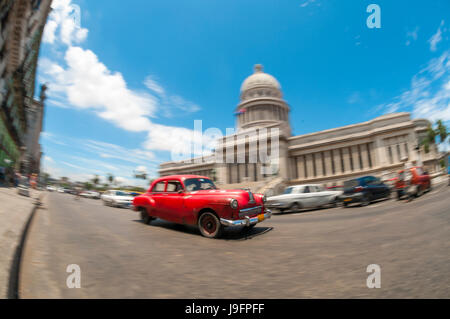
<point>288,190</point>
<point>122,194</point>
<point>196,184</point>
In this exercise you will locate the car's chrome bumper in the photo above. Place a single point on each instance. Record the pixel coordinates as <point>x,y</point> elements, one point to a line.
<point>247,221</point>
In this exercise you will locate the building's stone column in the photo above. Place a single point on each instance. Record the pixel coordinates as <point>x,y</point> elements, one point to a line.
<point>319,165</point>
<point>346,154</point>
<point>328,164</point>
<point>309,166</point>
<point>364,156</point>
<point>355,157</point>
<point>379,152</point>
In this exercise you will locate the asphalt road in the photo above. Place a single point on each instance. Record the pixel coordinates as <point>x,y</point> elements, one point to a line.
<point>314,254</point>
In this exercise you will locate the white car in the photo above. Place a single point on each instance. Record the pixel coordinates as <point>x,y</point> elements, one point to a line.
<point>303,196</point>
<point>51,188</point>
<point>117,198</point>
<point>90,194</point>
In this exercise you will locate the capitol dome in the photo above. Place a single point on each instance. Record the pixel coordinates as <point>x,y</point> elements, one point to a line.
<point>261,80</point>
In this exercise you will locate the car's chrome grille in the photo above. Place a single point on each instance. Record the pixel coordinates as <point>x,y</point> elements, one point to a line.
<point>250,211</point>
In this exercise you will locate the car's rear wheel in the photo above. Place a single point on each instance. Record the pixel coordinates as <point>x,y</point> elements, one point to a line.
<point>419,191</point>
<point>209,225</point>
<point>365,200</point>
<point>295,207</point>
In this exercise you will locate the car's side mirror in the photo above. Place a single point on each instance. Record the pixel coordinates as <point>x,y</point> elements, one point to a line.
<point>180,191</point>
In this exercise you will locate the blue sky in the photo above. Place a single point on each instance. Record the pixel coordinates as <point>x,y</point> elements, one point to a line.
<point>128,79</point>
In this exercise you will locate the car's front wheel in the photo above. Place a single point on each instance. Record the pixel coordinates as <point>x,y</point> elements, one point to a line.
<point>145,217</point>
<point>209,225</point>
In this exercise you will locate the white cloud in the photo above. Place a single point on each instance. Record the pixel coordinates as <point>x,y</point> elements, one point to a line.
<point>154,86</point>
<point>429,93</point>
<point>65,17</point>
<point>436,38</point>
<point>307,3</point>
<point>411,36</point>
<point>82,81</point>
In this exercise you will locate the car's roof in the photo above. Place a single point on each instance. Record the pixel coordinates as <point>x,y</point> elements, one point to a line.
<point>180,177</point>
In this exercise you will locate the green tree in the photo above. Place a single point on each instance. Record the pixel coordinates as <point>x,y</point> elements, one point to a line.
<point>95,180</point>
<point>87,186</point>
<point>110,178</point>
<point>432,133</point>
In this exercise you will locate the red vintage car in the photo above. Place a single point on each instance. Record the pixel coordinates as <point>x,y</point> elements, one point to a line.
<point>195,200</point>
<point>420,181</point>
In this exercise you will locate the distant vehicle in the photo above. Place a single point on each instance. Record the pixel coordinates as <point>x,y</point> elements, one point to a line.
<point>134,194</point>
<point>117,198</point>
<point>195,200</point>
<point>303,196</point>
<point>420,181</point>
<point>23,188</point>
<point>51,188</point>
<point>90,194</point>
<point>61,190</point>
<point>337,188</point>
<point>364,190</point>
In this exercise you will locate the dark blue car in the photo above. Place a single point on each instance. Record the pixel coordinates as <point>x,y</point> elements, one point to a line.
<point>364,190</point>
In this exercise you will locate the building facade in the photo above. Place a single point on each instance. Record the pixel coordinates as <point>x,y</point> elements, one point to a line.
<point>22,24</point>
<point>377,147</point>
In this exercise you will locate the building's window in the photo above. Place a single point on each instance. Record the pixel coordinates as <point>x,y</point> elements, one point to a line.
<point>324,170</point>
<point>369,155</point>
<point>342,160</point>
<point>314,164</point>
<point>255,172</point>
<point>333,168</point>
<point>304,166</point>
<point>399,153</point>
<point>406,150</point>
<point>296,167</point>
<point>361,166</point>
<point>351,158</point>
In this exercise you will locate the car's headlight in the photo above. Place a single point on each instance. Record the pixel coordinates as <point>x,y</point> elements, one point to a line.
<point>234,203</point>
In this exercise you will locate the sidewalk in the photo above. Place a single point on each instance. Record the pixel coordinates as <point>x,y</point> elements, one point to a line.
<point>15,211</point>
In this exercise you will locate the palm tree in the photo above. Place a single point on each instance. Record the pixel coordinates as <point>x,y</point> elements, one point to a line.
<point>430,138</point>
<point>110,178</point>
<point>96,180</point>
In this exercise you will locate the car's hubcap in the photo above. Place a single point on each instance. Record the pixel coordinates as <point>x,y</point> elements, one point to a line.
<point>209,224</point>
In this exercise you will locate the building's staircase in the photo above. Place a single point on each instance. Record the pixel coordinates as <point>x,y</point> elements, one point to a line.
<point>273,187</point>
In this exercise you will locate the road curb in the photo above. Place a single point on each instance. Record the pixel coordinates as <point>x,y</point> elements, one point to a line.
<point>14,275</point>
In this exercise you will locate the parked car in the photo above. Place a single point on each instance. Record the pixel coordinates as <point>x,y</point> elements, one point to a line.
<point>364,190</point>
<point>195,200</point>
<point>51,188</point>
<point>303,196</point>
<point>90,194</point>
<point>117,198</point>
<point>420,181</point>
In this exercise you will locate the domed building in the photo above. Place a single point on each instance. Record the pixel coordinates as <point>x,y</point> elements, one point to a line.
<point>263,155</point>
<point>261,102</point>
